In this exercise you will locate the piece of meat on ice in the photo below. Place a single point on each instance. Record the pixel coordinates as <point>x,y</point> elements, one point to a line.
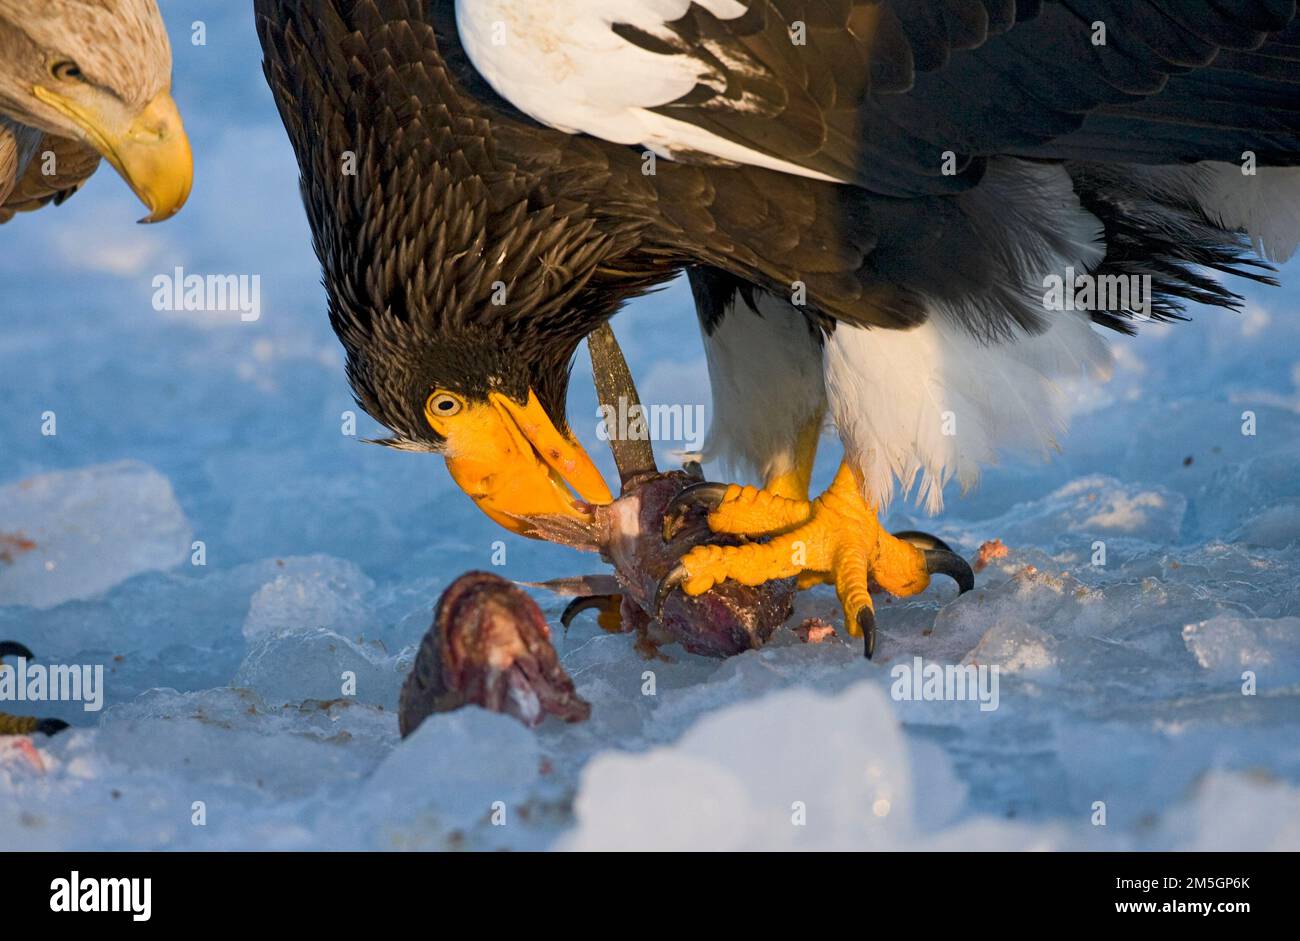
<point>489,646</point>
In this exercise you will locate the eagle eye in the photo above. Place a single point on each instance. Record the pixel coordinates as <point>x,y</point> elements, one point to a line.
<point>443,405</point>
<point>65,70</point>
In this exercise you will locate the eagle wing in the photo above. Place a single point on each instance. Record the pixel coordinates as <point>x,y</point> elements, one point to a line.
<point>902,97</point>
<point>980,147</point>
<point>37,169</point>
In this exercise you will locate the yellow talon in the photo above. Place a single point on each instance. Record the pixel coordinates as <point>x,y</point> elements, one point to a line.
<point>835,538</point>
<point>752,512</point>
<point>805,580</point>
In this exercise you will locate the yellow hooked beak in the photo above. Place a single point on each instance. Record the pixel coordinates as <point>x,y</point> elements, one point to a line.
<point>149,149</point>
<point>514,463</point>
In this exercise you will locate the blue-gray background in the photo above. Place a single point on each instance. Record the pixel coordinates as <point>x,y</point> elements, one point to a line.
<point>244,421</point>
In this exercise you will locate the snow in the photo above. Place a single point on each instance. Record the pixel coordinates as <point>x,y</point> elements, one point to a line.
<point>1145,619</point>
<point>852,786</point>
<point>74,534</point>
<point>1226,646</point>
<point>320,591</point>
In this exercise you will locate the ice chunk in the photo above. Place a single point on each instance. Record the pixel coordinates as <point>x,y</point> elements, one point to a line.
<point>786,771</point>
<point>320,664</point>
<point>1257,497</point>
<point>1096,505</point>
<point>1230,811</point>
<point>452,774</point>
<point>1277,526</point>
<point>75,534</point>
<point>1227,646</point>
<point>309,592</point>
<point>1015,647</point>
<point>211,742</point>
<point>1013,622</point>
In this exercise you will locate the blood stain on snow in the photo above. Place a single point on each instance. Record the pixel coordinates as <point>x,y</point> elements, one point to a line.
<point>23,745</point>
<point>815,631</point>
<point>990,550</point>
<point>14,544</point>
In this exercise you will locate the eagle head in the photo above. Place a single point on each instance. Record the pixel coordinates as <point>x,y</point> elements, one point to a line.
<point>99,71</point>
<point>485,390</point>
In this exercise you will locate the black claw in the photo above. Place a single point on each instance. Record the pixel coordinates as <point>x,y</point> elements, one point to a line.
<point>586,603</point>
<point>670,582</point>
<point>51,726</point>
<point>946,562</point>
<point>11,648</point>
<point>705,493</point>
<point>694,469</point>
<point>867,624</point>
<point>922,540</point>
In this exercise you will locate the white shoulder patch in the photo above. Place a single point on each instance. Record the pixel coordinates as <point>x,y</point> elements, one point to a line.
<point>561,63</point>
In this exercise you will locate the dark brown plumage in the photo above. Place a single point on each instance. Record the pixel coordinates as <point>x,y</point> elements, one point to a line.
<point>453,197</point>
<point>456,194</point>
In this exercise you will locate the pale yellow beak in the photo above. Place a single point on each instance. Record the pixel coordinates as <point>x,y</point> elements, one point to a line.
<point>150,149</point>
<point>515,464</point>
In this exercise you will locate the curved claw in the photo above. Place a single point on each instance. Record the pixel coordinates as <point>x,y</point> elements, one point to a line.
<point>922,540</point>
<point>586,603</point>
<point>670,581</point>
<point>867,624</point>
<point>947,562</point>
<point>51,726</point>
<point>11,648</point>
<point>705,493</point>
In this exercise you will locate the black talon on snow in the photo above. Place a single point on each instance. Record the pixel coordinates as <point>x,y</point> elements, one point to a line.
<point>601,603</point>
<point>922,540</point>
<point>947,562</point>
<point>867,624</point>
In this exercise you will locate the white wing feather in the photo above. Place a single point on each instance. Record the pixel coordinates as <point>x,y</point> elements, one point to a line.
<point>561,63</point>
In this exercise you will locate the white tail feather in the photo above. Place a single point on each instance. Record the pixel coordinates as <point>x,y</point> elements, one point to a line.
<point>1265,204</point>
<point>933,403</point>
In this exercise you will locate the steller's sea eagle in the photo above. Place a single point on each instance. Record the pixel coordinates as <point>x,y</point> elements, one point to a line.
<point>869,196</point>
<point>81,80</point>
